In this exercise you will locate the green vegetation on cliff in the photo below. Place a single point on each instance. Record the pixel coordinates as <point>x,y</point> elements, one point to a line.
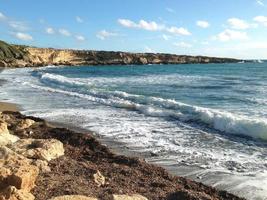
<point>8,51</point>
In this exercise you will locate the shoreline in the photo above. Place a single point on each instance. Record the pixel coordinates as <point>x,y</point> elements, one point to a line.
<point>86,155</point>
<point>116,148</point>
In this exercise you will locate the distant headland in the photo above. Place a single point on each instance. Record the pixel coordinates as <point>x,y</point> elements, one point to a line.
<point>13,56</point>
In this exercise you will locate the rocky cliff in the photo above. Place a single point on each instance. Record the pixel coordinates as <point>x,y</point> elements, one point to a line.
<point>24,56</point>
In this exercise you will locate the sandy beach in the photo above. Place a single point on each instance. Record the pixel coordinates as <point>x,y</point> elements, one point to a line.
<point>8,107</point>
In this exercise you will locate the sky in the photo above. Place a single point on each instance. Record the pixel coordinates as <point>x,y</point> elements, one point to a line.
<point>224,28</point>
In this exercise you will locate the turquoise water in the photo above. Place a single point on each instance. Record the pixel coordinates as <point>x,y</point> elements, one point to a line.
<point>207,122</point>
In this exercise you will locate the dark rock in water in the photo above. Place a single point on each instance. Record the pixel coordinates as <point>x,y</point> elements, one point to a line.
<point>24,56</point>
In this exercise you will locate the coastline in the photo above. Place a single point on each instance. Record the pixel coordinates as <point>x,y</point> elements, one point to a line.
<point>119,149</point>
<point>85,155</point>
<point>26,56</point>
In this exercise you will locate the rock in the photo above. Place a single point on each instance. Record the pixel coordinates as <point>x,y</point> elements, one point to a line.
<point>5,137</point>
<point>99,179</point>
<point>25,123</point>
<point>12,193</point>
<point>16,171</point>
<point>73,197</point>
<point>43,149</point>
<point>42,165</point>
<point>129,197</point>
<point>5,118</point>
<point>143,60</point>
<point>3,128</point>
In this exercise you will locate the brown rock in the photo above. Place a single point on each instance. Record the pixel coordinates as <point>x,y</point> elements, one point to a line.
<point>5,118</point>
<point>12,193</point>
<point>16,171</point>
<point>3,128</point>
<point>25,123</point>
<point>99,179</point>
<point>129,197</point>
<point>41,164</point>
<point>143,60</point>
<point>43,149</point>
<point>5,137</point>
<point>73,197</point>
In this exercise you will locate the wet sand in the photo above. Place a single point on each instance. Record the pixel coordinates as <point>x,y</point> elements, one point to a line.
<point>8,107</point>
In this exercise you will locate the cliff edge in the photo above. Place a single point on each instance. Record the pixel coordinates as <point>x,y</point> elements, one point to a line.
<point>24,56</point>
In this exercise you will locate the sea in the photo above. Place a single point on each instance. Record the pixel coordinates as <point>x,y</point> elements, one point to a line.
<point>207,122</point>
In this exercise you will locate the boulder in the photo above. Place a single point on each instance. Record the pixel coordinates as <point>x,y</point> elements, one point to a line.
<point>25,123</point>
<point>41,164</point>
<point>16,171</point>
<point>3,128</point>
<point>12,193</point>
<point>43,149</point>
<point>7,139</point>
<point>129,197</point>
<point>5,118</point>
<point>73,197</point>
<point>99,179</point>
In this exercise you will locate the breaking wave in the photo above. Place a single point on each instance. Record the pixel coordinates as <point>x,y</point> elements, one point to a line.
<point>158,107</point>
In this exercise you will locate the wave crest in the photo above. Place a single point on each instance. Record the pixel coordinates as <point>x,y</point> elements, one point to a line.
<point>158,107</point>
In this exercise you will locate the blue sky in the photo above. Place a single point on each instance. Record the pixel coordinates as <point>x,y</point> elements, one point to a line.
<point>231,28</point>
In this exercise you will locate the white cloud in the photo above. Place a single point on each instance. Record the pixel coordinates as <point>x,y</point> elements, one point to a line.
<point>64,32</point>
<point>261,19</point>
<point>240,24</point>
<point>142,24</point>
<point>2,16</point>
<point>80,38</point>
<point>127,23</point>
<point>50,30</point>
<point>203,24</point>
<point>260,2</point>
<point>178,31</point>
<point>148,50</point>
<point>228,35</point>
<point>149,26</point>
<point>153,26</point>
<point>182,44</point>
<point>23,36</point>
<point>17,25</point>
<point>165,37</point>
<point>102,35</point>
<point>79,19</point>
<point>170,10</point>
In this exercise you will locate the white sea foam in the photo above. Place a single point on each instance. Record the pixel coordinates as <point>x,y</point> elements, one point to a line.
<point>220,120</point>
<point>162,126</point>
<point>60,79</point>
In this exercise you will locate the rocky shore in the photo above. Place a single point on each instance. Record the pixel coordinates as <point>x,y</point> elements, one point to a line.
<point>12,56</point>
<point>43,162</point>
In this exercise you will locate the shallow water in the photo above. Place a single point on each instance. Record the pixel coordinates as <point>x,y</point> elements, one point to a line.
<point>207,122</point>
